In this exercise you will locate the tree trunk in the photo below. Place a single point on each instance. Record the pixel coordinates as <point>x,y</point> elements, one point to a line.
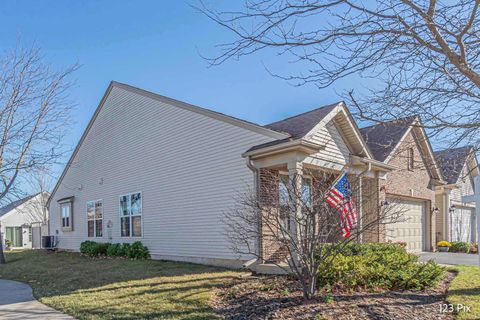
<point>310,290</point>
<point>2,256</point>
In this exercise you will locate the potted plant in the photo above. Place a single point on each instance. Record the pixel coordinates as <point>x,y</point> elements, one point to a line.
<point>443,246</point>
<point>8,244</point>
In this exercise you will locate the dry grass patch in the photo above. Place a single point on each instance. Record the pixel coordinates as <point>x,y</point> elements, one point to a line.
<point>89,288</point>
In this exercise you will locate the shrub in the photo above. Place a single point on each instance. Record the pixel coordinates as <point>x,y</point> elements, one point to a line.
<point>378,266</point>
<point>124,250</point>
<point>138,251</point>
<point>474,247</point>
<point>444,243</point>
<point>88,247</point>
<point>459,246</point>
<point>113,250</point>
<point>134,251</point>
<point>93,248</point>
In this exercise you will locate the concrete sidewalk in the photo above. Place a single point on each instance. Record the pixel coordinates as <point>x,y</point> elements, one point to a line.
<point>17,302</point>
<point>450,258</point>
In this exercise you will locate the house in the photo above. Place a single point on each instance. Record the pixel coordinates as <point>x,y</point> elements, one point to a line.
<point>153,169</point>
<point>23,222</point>
<point>410,187</point>
<point>456,220</point>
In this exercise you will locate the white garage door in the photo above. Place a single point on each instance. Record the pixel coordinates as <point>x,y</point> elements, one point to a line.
<point>462,224</point>
<point>410,223</point>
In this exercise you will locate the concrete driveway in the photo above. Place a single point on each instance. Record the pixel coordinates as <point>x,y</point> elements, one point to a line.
<point>17,302</point>
<point>450,258</point>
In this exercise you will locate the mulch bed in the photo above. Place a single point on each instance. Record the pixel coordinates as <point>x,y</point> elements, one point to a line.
<point>278,298</point>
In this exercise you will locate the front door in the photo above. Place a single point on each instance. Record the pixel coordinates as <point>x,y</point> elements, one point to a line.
<point>14,235</point>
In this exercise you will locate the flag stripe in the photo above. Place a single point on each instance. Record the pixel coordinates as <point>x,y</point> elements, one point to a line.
<point>339,197</point>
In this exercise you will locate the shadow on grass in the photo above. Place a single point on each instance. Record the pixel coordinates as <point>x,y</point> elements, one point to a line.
<point>117,288</point>
<point>465,292</point>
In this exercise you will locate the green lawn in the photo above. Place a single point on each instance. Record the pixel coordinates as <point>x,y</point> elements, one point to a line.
<point>117,289</point>
<point>465,290</point>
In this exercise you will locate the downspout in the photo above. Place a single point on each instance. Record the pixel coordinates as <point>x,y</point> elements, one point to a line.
<point>256,190</point>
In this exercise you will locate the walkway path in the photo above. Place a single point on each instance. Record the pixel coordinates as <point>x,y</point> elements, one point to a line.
<point>450,258</point>
<point>17,302</point>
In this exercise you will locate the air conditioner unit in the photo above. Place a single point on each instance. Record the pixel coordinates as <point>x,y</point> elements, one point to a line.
<point>48,242</point>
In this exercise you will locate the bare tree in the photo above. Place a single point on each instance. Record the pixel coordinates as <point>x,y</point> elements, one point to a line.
<point>420,57</point>
<point>288,222</point>
<point>34,111</point>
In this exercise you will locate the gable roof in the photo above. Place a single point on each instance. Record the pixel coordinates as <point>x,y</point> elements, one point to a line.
<point>176,103</point>
<point>12,205</point>
<point>452,162</point>
<point>302,126</point>
<point>382,138</point>
<point>298,126</point>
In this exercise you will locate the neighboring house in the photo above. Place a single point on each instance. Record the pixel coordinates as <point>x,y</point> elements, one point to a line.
<point>152,169</point>
<point>456,220</point>
<point>410,187</point>
<point>23,222</point>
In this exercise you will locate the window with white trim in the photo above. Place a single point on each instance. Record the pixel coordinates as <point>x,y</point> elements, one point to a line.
<point>131,215</point>
<point>95,218</point>
<point>66,211</point>
<point>285,197</point>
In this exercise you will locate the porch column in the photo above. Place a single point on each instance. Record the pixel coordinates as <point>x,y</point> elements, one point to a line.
<point>295,171</point>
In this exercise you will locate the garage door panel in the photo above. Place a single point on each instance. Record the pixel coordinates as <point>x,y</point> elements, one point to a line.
<point>410,225</point>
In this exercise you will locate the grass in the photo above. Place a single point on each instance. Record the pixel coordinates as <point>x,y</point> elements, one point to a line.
<point>465,290</point>
<point>89,288</point>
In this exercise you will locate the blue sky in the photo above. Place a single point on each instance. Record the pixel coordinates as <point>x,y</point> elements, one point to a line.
<point>154,45</point>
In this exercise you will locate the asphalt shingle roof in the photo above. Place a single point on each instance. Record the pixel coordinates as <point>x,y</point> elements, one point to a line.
<point>452,161</point>
<point>297,126</point>
<point>382,138</point>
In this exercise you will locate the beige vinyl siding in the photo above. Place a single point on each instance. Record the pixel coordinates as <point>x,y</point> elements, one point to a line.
<point>335,150</point>
<point>465,186</point>
<point>187,166</point>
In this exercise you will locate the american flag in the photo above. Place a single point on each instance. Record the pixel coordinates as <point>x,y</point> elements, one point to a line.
<point>340,197</point>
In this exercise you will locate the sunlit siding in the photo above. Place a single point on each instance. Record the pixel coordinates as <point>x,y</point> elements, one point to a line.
<point>188,167</point>
<point>335,151</point>
<point>465,186</point>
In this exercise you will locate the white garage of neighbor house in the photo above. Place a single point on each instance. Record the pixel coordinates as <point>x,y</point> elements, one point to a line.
<point>456,220</point>
<point>23,222</point>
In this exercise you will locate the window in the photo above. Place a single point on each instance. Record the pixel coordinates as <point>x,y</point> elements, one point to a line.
<point>30,234</point>
<point>284,200</point>
<point>286,210</point>
<point>66,209</point>
<point>95,218</point>
<point>410,159</point>
<point>131,215</point>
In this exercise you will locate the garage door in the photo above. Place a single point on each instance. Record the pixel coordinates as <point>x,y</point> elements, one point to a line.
<point>462,224</point>
<point>410,224</point>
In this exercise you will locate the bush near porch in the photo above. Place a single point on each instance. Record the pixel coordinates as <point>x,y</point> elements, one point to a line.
<point>385,266</point>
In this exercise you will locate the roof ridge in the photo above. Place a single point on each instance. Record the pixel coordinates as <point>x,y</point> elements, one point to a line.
<point>390,121</point>
<point>468,146</point>
<point>128,86</point>
<point>304,113</point>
